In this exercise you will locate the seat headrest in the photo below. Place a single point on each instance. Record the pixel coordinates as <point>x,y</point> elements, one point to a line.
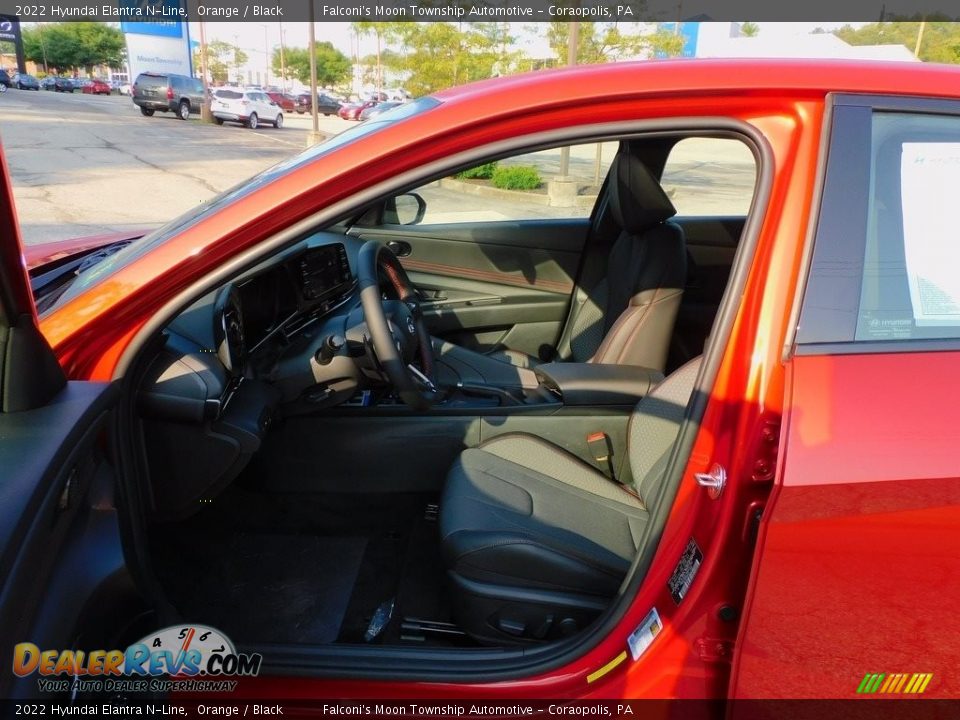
<point>636,199</point>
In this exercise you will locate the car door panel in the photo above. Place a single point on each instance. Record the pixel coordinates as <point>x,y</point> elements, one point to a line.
<point>57,489</point>
<point>504,283</point>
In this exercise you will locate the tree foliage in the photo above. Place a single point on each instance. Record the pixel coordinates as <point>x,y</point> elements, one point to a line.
<point>605,42</point>
<point>941,40</point>
<point>223,61</point>
<point>74,45</point>
<point>333,66</point>
<point>438,55</point>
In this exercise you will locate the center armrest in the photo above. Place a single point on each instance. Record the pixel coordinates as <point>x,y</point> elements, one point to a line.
<point>597,384</point>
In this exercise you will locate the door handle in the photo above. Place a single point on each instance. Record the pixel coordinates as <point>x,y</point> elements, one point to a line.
<point>400,248</point>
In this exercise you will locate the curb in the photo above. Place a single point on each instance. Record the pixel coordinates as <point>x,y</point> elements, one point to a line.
<point>542,199</point>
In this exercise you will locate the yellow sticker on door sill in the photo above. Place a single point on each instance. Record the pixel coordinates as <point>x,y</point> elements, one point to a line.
<point>597,674</point>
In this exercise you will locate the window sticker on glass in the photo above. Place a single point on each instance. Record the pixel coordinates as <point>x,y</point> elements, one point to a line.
<point>929,175</point>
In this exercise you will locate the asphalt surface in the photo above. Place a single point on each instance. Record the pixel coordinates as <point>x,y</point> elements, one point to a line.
<point>84,165</point>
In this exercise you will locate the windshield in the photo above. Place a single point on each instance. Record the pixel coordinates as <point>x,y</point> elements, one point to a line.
<point>139,247</point>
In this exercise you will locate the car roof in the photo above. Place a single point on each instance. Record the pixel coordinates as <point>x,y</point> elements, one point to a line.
<point>698,76</point>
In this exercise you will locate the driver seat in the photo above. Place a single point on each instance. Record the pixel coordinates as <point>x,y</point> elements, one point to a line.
<point>536,542</point>
<point>627,316</point>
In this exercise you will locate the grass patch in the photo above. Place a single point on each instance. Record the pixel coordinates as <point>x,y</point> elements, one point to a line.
<point>516,177</point>
<point>480,172</point>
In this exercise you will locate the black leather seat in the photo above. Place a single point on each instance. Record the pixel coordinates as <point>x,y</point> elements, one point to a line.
<point>535,540</point>
<point>627,316</point>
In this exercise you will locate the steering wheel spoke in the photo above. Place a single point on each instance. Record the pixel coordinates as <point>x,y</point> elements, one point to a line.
<point>398,332</point>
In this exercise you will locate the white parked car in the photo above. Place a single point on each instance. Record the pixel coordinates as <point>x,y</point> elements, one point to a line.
<point>248,107</point>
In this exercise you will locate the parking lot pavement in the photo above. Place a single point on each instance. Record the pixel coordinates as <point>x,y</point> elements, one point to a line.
<point>84,164</point>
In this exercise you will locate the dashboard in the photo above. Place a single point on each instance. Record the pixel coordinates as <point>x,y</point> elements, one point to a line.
<point>232,358</point>
<point>278,301</point>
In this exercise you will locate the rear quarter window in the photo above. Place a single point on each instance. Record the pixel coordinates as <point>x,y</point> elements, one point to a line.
<point>885,270</point>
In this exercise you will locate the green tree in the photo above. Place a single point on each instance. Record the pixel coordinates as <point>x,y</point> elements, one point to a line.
<point>223,60</point>
<point>74,45</point>
<point>606,42</point>
<point>749,29</point>
<point>941,39</point>
<point>438,55</point>
<point>333,66</point>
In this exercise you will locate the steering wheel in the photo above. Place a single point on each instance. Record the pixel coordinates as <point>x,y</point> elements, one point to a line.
<point>415,387</point>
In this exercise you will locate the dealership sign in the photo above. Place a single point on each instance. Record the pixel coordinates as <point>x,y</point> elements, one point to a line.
<point>160,45</point>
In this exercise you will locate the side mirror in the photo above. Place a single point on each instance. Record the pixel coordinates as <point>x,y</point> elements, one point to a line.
<point>406,209</point>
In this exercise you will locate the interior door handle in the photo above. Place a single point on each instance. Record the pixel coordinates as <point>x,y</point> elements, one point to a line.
<point>400,248</point>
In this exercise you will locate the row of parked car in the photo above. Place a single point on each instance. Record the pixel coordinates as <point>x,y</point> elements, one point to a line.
<point>251,106</point>
<point>25,81</point>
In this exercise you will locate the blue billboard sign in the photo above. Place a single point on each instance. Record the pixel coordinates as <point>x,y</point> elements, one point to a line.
<point>153,17</point>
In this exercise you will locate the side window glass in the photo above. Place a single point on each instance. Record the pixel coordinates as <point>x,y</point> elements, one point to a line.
<point>523,187</point>
<point>710,176</point>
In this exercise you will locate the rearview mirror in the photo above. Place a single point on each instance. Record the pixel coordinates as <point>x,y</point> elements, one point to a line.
<point>406,209</point>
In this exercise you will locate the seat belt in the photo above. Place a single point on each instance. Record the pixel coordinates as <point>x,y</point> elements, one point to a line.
<point>602,450</point>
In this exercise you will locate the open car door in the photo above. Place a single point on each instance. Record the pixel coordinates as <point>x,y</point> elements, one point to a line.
<point>61,564</point>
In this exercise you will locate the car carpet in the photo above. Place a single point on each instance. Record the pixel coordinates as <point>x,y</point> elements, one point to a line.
<point>277,588</point>
<point>290,567</point>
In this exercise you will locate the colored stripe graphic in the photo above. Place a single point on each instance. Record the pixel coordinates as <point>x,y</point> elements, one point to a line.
<point>894,683</point>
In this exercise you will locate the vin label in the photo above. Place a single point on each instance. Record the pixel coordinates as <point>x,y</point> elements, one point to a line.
<point>686,570</point>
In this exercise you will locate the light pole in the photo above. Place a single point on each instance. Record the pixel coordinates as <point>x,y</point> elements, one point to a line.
<point>314,136</point>
<point>266,56</point>
<point>573,40</point>
<point>236,59</point>
<point>205,115</point>
<point>283,62</point>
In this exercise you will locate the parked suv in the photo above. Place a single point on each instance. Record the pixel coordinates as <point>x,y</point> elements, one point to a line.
<point>4,79</point>
<point>167,92</point>
<point>247,107</point>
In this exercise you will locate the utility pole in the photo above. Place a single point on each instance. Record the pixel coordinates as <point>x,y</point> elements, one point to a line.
<point>573,42</point>
<point>314,136</point>
<point>236,59</point>
<point>283,62</point>
<point>266,56</point>
<point>205,115</point>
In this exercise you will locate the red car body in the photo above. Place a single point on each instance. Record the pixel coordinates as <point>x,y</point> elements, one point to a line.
<point>96,87</point>
<point>850,457</point>
<point>286,102</point>
<point>351,111</point>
